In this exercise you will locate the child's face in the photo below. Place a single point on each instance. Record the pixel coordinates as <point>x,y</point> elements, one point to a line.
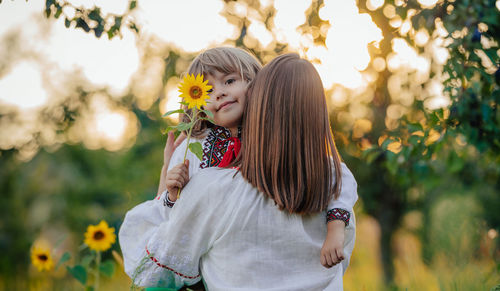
<point>227,98</point>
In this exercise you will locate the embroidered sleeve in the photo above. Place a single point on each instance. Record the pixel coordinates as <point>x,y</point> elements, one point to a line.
<point>167,202</point>
<point>338,213</point>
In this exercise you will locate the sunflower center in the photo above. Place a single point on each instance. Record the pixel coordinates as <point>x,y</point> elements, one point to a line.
<point>98,235</point>
<point>195,92</point>
<point>42,257</point>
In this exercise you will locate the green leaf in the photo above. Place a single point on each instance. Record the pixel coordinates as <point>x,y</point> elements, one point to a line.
<point>492,54</point>
<point>79,273</point>
<point>87,260</point>
<point>207,119</point>
<point>196,149</point>
<point>183,126</point>
<point>95,15</point>
<point>208,113</point>
<point>67,22</point>
<point>386,142</point>
<point>391,163</point>
<point>58,12</point>
<point>118,21</point>
<point>372,155</point>
<point>107,268</point>
<point>173,112</point>
<point>179,127</point>
<point>415,140</point>
<point>80,22</point>
<point>133,4</point>
<point>64,258</point>
<point>412,127</point>
<point>134,27</point>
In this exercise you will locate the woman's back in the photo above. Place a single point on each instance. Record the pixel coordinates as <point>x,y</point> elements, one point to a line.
<point>275,250</point>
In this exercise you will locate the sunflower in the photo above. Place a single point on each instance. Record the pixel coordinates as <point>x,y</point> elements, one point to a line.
<point>41,259</point>
<point>194,90</point>
<point>100,237</point>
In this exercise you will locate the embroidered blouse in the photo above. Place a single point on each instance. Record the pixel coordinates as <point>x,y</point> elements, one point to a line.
<point>225,230</point>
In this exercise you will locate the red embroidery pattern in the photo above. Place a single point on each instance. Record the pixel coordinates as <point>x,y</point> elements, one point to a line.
<point>215,147</point>
<point>168,268</point>
<point>338,213</point>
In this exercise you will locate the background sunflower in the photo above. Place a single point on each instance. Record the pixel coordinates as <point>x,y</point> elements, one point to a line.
<point>42,259</point>
<point>100,237</point>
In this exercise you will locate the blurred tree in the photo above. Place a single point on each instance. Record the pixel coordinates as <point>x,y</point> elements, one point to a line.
<point>427,146</point>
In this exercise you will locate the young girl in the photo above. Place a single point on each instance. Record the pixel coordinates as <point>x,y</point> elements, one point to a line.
<point>259,227</point>
<point>228,71</point>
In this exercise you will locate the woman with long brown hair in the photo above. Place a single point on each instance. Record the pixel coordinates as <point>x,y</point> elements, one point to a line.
<point>261,224</point>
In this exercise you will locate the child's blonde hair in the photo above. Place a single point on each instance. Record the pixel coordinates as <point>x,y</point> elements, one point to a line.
<point>226,60</point>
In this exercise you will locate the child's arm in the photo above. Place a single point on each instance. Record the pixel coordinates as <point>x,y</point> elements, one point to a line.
<point>339,215</point>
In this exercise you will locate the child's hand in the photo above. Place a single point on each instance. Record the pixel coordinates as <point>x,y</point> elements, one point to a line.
<point>176,179</point>
<point>332,251</point>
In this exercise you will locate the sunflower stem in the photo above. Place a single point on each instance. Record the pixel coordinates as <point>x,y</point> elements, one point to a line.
<point>98,264</point>
<point>187,144</point>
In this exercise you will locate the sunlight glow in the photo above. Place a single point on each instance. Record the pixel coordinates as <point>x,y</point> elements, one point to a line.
<point>104,126</point>
<point>104,62</point>
<point>258,30</point>
<point>111,124</point>
<point>422,37</point>
<point>190,25</point>
<point>427,3</point>
<point>405,54</point>
<point>171,102</point>
<point>436,99</point>
<point>15,14</point>
<point>389,11</point>
<point>347,41</point>
<point>374,4</point>
<point>23,87</point>
<point>492,233</point>
<point>290,15</point>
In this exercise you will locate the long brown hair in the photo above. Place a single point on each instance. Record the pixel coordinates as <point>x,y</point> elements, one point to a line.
<point>225,60</point>
<point>287,145</point>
